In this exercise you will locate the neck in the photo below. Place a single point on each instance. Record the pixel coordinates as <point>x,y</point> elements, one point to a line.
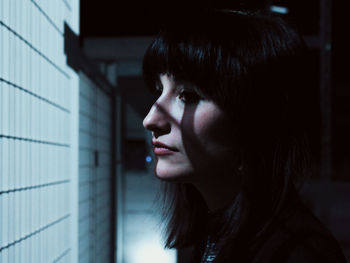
<point>217,193</point>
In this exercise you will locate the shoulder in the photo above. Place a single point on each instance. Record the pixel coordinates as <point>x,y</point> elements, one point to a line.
<point>304,253</point>
<point>299,238</point>
<point>308,249</point>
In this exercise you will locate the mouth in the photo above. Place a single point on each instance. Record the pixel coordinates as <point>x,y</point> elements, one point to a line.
<point>163,149</point>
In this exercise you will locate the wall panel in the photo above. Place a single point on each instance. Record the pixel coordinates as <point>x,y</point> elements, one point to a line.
<point>36,144</point>
<point>95,188</point>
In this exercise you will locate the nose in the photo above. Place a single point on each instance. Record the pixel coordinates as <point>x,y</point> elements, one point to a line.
<point>157,120</point>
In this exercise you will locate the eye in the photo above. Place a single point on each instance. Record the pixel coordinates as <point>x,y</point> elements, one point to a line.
<point>189,96</point>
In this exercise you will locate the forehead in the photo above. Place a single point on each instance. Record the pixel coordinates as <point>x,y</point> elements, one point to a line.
<point>166,79</point>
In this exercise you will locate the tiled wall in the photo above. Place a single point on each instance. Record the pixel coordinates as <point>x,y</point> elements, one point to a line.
<point>37,221</point>
<point>95,189</point>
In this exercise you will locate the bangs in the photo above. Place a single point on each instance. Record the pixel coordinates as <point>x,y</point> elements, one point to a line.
<point>194,54</point>
<point>239,61</point>
<point>184,60</point>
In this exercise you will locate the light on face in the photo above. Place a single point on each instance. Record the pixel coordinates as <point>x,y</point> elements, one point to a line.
<point>148,159</point>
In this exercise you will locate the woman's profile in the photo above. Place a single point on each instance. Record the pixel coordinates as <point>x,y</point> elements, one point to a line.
<point>229,135</point>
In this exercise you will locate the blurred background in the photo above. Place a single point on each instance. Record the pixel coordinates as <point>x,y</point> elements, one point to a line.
<point>76,181</point>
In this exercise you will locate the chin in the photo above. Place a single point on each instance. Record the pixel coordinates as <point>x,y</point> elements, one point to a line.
<point>173,174</point>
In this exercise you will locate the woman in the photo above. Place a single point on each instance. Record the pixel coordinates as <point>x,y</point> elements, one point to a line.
<point>228,132</point>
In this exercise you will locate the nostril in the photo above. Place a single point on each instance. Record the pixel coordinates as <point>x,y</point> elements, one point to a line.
<point>157,125</point>
<point>157,120</point>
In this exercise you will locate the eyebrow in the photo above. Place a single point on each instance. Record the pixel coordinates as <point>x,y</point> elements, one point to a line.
<point>186,84</point>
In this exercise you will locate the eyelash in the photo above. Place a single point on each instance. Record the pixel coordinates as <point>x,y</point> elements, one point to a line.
<point>186,96</point>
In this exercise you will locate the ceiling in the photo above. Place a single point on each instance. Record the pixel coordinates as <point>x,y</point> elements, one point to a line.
<point>143,18</point>
<point>136,18</point>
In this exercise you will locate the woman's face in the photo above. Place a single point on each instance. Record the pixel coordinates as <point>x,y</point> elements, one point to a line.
<point>191,134</point>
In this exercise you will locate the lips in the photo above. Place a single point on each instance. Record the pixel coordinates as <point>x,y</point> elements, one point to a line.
<point>163,149</point>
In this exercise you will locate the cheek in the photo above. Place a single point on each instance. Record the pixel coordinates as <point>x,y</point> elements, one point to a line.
<point>212,128</point>
<point>206,137</point>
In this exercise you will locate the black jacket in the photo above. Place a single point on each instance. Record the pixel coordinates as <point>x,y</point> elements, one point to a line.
<point>302,238</point>
<point>297,238</point>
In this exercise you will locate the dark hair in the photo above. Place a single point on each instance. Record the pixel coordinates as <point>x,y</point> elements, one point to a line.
<point>254,67</point>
